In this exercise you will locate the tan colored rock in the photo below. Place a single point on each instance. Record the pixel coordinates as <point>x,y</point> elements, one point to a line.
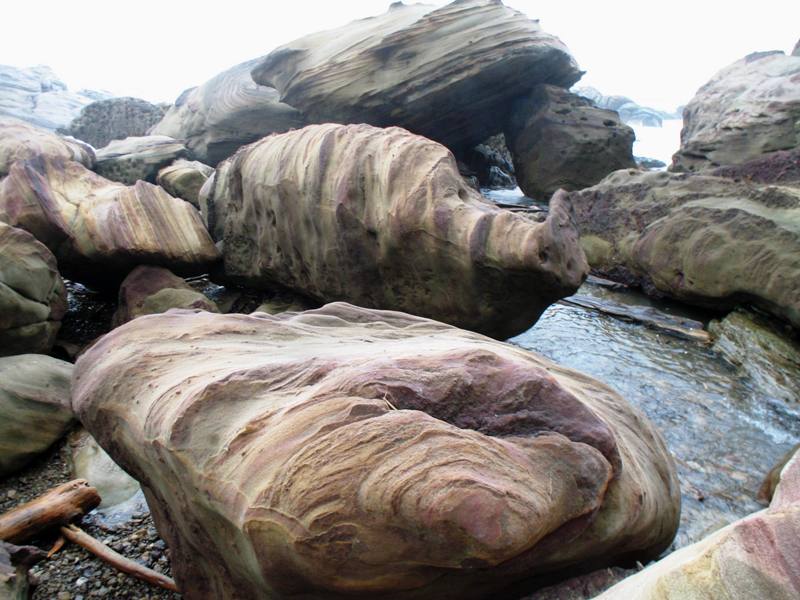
<point>346,451</point>
<point>747,110</point>
<point>138,158</point>
<point>35,407</point>
<point>151,290</point>
<point>22,141</point>
<point>767,490</point>
<point>561,141</point>
<point>92,463</point>
<point>33,299</point>
<point>449,73</point>
<point>382,218</point>
<point>228,111</point>
<point>705,240</point>
<point>184,178</point>
<point>755,557</point>
<point>99,230</point>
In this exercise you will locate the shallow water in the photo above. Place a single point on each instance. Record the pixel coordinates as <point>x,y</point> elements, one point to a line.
<point>724,433</point>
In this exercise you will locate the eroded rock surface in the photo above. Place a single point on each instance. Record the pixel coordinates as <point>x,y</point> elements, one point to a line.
<point>99,230</point>
<point>33,299</point>
<point>184,178</point>
<point>114,119</point>
<point>382,218</point>
<point>22,141</point>
<point>346,451</point>
<point>756,557</point>
<point>449,74</point>
<point>35,407</point>
<point>150,290</point>
<point>560,140</point>
<point>710,241</point>
<point>228,111</point>
<point>138,158</point>
<point>749,109</point>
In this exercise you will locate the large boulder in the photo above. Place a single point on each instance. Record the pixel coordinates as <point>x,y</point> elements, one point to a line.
<point>36,95</point>
<point>99,230</point>
<point>748,109</point>
<point>35,407</point>
<point>22,141</point>
<point>782,166</point>
<point>560,140</point>
<point>138,158</point>
<point>230,110</point>
<point>710,241</point>
<point>151,290</point>
<point>184,178</point>
<point>382,218</point>
<point>450,74</point>
<point>33,299</point>
<point>629,111</point>
<point>755,557</point>
<point>114,119</point>
<point>345,452</point>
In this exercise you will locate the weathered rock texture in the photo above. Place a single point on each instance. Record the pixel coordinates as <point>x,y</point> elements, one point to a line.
<point>184,178</point>
<point>114,119</point>
<point>382,218</point>
<point>33,299</point>
<point>225,113</point>
<point>559,140</point>
<point>150,290</point>
<point>346,451</point>
<point>138,158</point>
<point>767,490</point>
<point>628,110</point>
<point>36,95</point>
<point>21,141</point>
<point>449,74</point>
<point>35,407</point>
<point>781,167</point>
<point>100,230</point>
<point>705,240</point>
<point>748,109</point>
<point>756,557</point>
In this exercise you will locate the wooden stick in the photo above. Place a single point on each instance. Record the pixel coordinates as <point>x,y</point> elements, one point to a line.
<point>56,507</point>
<point>116,560</point>
<point>59,544</point>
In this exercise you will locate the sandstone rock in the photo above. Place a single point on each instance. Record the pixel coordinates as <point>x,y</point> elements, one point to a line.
<point>767,490</point>
<point>748,109</point>
<point>769,358</point>
<point>138,158</point>
<point>227,112</point>
<point>100,230</point>
<point>491,162</point>
<point>449,74</point>
<point>382,218</point>
<point>559,140</point>
<point>755,557</point>
<point>705,240</point>
<point>34,406</point>
<point>183,179</point>
<point>15,584</point>
<point>21,141</point>
<point>33,299</point>
<point>150,290</point>
<point>629,111</point>
<point>37,96</point>
<point>114,119</point>
<point>347,451</point>
<point>782,166</point>
<point>92,463</point>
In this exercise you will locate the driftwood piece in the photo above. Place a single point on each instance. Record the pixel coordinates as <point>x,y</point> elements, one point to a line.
<point>57,507</point>
<point>77,536</point>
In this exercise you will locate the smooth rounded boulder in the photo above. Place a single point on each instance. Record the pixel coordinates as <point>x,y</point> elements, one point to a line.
<point>346,452</point>
<point>23,141</point>
<point>33,298</point>
<point>450,74</point>
<point>184,179</point>
<point>99,230</point>
<point>382,218</point>
<point>35,409</point>
<point>709,241</point>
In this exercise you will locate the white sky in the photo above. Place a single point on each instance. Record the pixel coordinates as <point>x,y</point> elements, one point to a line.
<point>656,53</point>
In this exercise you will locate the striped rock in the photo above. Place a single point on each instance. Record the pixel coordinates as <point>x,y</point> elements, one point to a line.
<point>22,141</point>
<point>345,452</point>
